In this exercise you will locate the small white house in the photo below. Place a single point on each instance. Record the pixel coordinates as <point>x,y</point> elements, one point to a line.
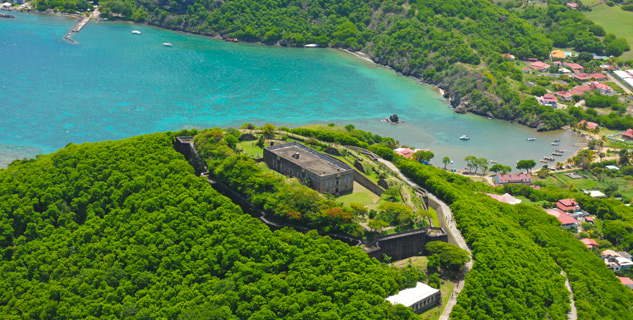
<point>419,298</point>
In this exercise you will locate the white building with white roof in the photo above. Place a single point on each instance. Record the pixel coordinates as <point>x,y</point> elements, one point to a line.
<point>419,298</point>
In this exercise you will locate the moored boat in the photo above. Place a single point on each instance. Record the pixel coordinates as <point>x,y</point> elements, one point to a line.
<point>136,32</point>
<point>559,150</point>
<point>556,140</point>
<point>548,158</point>
<point>557,154</point>
<point>168,44</point>
<point>464,137</point>
<point>544,161</point>
<point>530,139</point>
<point>554,143</point>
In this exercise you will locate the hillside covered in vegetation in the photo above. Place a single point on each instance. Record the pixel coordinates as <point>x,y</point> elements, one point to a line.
<point>123,229</point>
<point>519,251</point>
<point>457,45</point>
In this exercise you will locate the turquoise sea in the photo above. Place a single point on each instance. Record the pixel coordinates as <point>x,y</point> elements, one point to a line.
<point>114,84</point>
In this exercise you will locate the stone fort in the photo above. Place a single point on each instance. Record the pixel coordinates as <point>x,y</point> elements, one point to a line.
<point>316,170</point>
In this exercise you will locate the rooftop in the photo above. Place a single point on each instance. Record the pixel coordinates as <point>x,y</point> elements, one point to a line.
<point>589,242</point>
<point>628,133</point>
<point>505,198</point>
<point>562,217</point>
<point>411,296</point>
<point>309,159</point>
<point>626,281</point>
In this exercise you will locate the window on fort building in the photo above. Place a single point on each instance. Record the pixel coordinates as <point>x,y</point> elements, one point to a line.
<point>337,182</point>
<point>274,162</point>
<point>327,184</point>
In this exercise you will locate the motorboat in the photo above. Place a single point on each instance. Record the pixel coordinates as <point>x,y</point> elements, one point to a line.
<point>530,139</point>
<point>136,32</point>
<point>464,137</point>
<point>168,44</point>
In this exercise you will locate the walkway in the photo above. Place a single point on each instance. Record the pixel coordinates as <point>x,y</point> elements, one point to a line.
<point>573,314</point>
<point>449,220</point>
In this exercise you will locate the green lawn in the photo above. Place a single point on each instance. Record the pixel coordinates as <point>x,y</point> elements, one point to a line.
<point>434,218</point>
<point>624,186</point>
<point>360,195</point>
<point>613,20</point>
<point>325,127</point>
<point>250,148</point>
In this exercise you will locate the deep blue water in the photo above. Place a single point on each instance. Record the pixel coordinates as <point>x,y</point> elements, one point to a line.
<point>114,84</point>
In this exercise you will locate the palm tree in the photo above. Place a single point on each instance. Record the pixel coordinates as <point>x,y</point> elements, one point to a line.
<point>446,161</point>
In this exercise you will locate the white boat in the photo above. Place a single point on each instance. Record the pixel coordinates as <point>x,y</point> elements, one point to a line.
<point>530,139</point>
<point>168,44</point>
<point>464,137</point>
<point>136,32</point>
<point>311,45</point>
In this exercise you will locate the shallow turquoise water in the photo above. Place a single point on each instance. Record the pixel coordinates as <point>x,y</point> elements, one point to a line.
<point>114,84</point>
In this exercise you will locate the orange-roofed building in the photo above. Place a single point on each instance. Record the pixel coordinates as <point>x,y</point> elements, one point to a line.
<point>626,282</point>
<point>405,152</point>
<point>565,220</point>
<point>628,134</point>
<point>589,125</point>
<point>590,243</point>
<point>568,205</point>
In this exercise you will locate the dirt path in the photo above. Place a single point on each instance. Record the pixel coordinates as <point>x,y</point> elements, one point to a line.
<point>452,228</point>
<point>573,314</point>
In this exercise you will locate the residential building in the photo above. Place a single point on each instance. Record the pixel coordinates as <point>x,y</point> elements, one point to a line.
<point>508,56</point>
<point>595,194</point>
<point>505,198</point>
<point>548,99</point>
<point>538,65</point>
<point>582,88</point>
<point>405,152</point>
<point>615,261</point>
<point>628,134</point>
<point>565,220</point>
<point>420,298</point>
<point>558,54</point>
<point>588,124</point>
<point>318,171</point>
<point>603,88</point>
<point>520,178</point>
<point>568,205</point>
<point>527,70</point>
<point>627,282</point>
<point>573,66</point>
<point>590,243</point>
<point>572,5</point>
<point>589,219</point>
<point>582,76</point>
<point>564,95</point>
<point>599,76</point>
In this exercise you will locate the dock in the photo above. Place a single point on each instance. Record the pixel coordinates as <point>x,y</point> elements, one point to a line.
<point>81,24</point>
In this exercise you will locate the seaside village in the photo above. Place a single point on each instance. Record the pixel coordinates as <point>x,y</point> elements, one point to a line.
<point>570,81</point>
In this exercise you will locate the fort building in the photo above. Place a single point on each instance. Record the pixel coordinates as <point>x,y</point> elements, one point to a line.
<point>316,170</point>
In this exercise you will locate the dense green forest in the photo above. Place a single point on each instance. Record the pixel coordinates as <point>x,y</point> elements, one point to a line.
<point>125,229</point>
<point>456,45</point>
<point>519,251</point>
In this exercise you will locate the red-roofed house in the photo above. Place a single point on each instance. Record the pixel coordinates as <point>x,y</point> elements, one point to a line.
<point>628,134</point>
<point>520,178</point>
<point>573,66</point>
<point>626,282</point>
<point>565,220</point>
<point>603,88</point>
<point>582,76</point>
<point>582,88</point>
<point>589,219</point>
<point>527,70</point>
<point>568,205</point>
<point>538,65</point>
<point>558,63</point>
<point>599,76</point>
<point>564,95</point>
<point>590,243</point>
<point>508,56</point>
<point>589,125</point>
<point>405,152</point>
<point>572,5</point>
<point>548,100</point>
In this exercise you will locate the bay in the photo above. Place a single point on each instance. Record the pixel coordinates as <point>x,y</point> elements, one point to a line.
<point>114,84</point>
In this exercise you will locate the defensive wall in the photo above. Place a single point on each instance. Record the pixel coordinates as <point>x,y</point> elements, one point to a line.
<point>397,246</point>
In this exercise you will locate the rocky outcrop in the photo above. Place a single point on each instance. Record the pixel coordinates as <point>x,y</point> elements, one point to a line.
<point>6,16</point>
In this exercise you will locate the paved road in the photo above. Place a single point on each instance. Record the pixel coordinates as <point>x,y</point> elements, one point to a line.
<point>452,228</point>
<point>614,79</point>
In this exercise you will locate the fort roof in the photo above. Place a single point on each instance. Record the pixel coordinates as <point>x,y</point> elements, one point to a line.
<point>309,159</point>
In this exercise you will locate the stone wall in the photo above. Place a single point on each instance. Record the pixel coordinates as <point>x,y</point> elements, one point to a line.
<point>185,146</point>
<point>365,182</point>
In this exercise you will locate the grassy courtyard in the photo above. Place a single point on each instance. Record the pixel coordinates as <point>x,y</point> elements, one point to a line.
<point>560,180</point>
